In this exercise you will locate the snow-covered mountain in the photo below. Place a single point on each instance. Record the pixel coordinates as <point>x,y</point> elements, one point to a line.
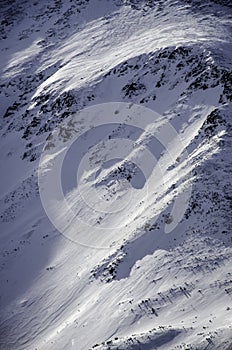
<point>135,95</point>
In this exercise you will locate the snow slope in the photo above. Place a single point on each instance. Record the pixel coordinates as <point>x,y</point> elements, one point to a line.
<point>161,277</point>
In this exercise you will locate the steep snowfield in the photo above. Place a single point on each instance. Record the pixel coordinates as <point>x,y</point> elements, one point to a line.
<point>146,260</point>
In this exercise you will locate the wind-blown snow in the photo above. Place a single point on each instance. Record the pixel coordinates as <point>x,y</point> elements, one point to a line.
<point>142,288</point>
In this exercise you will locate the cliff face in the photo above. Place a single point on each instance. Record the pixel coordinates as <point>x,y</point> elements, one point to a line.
<point>125,105</point>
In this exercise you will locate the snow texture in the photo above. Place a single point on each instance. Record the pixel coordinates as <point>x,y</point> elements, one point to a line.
<point>146,289</point>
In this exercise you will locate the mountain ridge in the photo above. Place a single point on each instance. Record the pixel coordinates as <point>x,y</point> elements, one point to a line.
<point>153,290</point>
